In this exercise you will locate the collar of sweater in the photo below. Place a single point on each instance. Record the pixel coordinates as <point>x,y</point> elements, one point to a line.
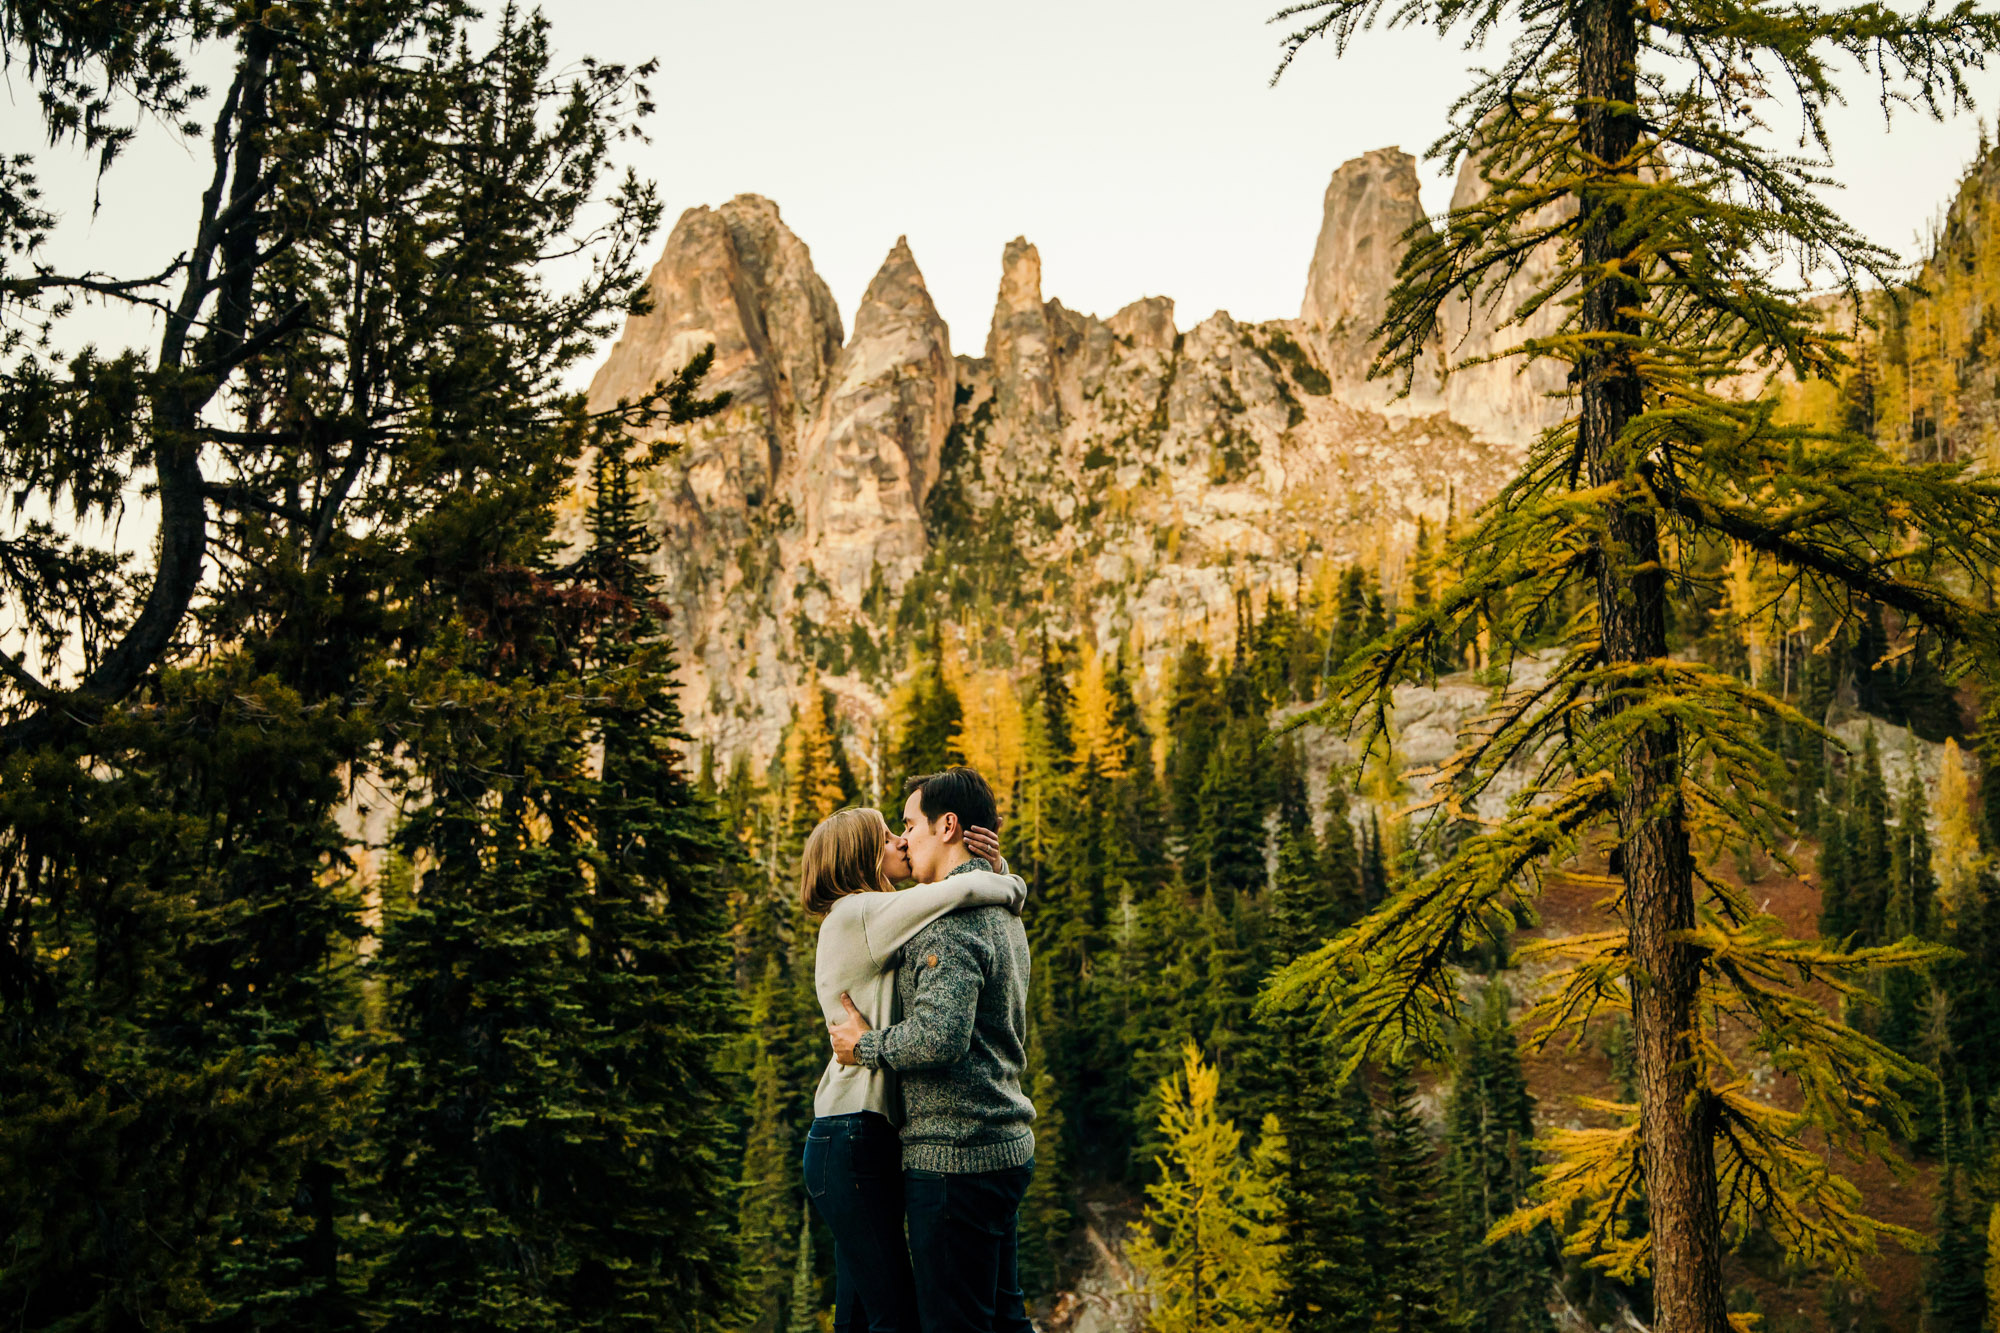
<point>973,863</point>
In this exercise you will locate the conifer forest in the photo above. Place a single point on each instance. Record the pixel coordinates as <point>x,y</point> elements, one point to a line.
<point>1580,912</point>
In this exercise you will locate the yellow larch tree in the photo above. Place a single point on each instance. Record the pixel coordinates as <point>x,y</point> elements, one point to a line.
<point>990,731</point>
<point>1993,1270</point>
<point>1957,858</point>
<point>1095,731</point>
<point>1211,1247</point>
<point>812,778</point>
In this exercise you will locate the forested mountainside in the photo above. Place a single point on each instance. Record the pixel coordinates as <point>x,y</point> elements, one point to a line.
<point>1103,572</point>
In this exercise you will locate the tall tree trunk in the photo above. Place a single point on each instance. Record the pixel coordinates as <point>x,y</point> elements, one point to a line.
<point>1675,1118</point>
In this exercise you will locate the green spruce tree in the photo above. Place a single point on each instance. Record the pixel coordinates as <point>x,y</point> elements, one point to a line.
<point>925,727</point>
<point>1414,1289</point>
<point>1955,1277</point>
<point>1329,1180</point>
<point>1501,1286</point>
<point>552,1131</point>
<point>353,467</point>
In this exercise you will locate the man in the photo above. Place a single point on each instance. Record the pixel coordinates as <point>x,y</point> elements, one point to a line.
<point>968,1151</point>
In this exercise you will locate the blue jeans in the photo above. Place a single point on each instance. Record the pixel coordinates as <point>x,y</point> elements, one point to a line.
<point>963,1242</point>
<point>854,1177</point>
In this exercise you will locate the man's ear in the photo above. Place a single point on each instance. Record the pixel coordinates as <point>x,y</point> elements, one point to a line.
<point>947,828</point>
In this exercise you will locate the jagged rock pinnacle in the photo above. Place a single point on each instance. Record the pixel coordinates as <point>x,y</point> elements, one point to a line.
<point>871,454</point>
<point>1370,203</point>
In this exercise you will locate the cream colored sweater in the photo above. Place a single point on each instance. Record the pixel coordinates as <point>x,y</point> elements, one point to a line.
<point>860,943</point>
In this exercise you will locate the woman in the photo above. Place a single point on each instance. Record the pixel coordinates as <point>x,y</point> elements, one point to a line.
<point>854,1160</point>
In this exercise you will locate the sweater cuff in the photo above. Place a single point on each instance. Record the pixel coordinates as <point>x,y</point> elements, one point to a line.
<point>868,1051</point>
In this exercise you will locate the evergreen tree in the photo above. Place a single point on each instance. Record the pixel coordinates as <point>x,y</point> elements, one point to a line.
<point>1913,895</point>
<point>1211,1245</point>
<point>1196,718</point>
<point>1409,1248</point>
<point>1376,623</point>
<point>1045,1216</point>
<point>184,1027</point>
<point>551,1146</point>
<point>652,1168</point>
<point>1987,745</point>
<point>1423,594</point>
<point>1955,1278</point>
<point>1304,913</point>
<point>1911,910</point>
<point>805,1283</point>
<point>928,716</point>
<point>1340,860</point>
<point>1374,870</point>
<point>1502,1286</point>
<point>1166,956</point>
<point>1605,142</point>
<point>1869,853</point>
<point>1228,843</point>
<point>769,1203</point>
<point>1836,888</point>
<point>1857,394</point>
<point>1972,1001</point>
<point>1329,1162</point>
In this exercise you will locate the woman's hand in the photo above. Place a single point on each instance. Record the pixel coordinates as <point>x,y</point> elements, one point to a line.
<point>982,843</point>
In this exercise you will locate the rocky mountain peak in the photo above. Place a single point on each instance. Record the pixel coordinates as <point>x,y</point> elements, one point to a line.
<point>1146,323</point>
<point>1020,345</point>
<point>871,454</point>
<point>737,277</point>
<point>1370,203</point>
<point>1020,297</point>
<point>1504,398</point>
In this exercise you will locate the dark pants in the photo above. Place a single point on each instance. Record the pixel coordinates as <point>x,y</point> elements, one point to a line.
<point>962,1242</point>
<point>854,1176</point>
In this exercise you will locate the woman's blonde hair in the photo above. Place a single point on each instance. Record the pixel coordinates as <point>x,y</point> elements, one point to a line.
<point>843,855</point>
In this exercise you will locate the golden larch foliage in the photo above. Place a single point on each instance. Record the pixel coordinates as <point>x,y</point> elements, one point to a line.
<point>1957,857</point>
<point>812,780</point>
<point>1993,1270</point>
<point>1211,1245</point>
<point>1094,731</point>
<point>1746,598</point>
<point>991,731</point>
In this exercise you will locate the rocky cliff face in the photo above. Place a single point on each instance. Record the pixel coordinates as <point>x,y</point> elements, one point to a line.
<point>1122,478</point>
<point>867,464</point>
<point>1371,203</point>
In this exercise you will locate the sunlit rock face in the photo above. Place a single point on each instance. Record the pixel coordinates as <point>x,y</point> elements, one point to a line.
<point>1508,398</point>
<point>1371,204</point>
<point>738,278</point>
<point>1131,480</point>
<point>868,461</point>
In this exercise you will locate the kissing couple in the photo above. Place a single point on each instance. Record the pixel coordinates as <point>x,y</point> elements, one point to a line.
<point>920,1120</point>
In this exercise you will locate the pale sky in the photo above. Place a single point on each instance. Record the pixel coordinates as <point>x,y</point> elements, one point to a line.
<point>1139,146</point>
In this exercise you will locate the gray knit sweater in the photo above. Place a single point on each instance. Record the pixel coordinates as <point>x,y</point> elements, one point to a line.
<point>960,1049</point>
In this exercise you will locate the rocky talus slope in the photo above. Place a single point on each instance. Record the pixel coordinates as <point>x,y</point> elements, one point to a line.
<point>1124,477</point>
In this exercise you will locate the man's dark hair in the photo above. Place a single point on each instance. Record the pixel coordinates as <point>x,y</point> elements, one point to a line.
<point>956,791</point>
